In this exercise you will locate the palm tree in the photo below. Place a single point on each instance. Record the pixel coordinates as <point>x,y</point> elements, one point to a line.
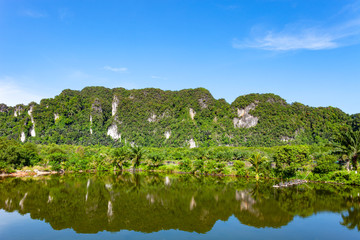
<point>348,144</point>
<point>156,159</point>
<point>256,160</point>
<point>120,155</point>
<point>137,154</point>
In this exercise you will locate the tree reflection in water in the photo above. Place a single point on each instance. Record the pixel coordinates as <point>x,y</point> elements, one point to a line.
<point>352,218</point>
<point>153,202</point>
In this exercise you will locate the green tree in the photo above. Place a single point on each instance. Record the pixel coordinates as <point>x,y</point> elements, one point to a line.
<point>156,159</point>
<point>120,155</point>
<point>256,160</point>
<point>290,159</point>
<point>137,153</point>
<point>348,144</point>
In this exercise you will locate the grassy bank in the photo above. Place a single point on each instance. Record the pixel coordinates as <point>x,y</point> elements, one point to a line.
<point>315,162</point>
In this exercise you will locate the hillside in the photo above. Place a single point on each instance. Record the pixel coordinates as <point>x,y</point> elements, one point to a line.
<point>157,118</point>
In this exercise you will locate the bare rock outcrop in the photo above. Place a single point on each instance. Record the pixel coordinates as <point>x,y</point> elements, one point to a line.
<point>244,119</point>
<point>192,113</point>
<point>114,105</point>
<point>167,134</point>
<point>192,143</point>
<point>203,102</point>
<point>17,111</point>
<point>96,106</point>
<point>32,129</point>
<point>113,132</point>
<point>286,139</point>
<point>22,137</point>
<point>152,118</point>
<point>113,129</point>
<point>91,120</point>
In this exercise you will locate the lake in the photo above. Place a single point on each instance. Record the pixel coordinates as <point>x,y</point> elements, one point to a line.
<point>166,206</point>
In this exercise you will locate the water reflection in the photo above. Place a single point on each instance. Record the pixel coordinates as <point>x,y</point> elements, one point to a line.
<point>351,218</point>
<point>151,202</point>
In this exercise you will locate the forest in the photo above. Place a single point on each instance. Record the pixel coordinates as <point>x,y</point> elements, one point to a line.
<point>258,135</point>
<point>156,118</point>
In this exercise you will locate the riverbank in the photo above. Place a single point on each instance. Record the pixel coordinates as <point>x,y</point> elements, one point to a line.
<point>281,182</point>
<point>29,173</point>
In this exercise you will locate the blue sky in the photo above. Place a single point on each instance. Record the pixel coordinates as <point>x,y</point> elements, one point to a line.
<point>304,51</point>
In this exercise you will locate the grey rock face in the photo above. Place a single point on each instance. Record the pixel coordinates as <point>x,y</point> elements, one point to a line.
<point>202,102</point>
<point>96,106</point>
<point>17,111</point>
<point>3,108</point>
<point>245,120</point>
<point>286,139</point>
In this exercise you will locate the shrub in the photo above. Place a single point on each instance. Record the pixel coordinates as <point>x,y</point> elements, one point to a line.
<point>199,166</point>
<point>212,166</point>
<point>238,165</point>
<point>58,157</point>
<point>185,165</point>
<point>326,164</point>
<point>156,159</point>
<point>5,168</point>
<point>55,166</point>
<point>290,159</point>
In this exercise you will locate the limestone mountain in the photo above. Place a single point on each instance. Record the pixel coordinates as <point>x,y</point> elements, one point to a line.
<point>157,118</point>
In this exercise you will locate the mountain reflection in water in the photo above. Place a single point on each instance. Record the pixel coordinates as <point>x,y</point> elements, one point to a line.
<point>90,203</point>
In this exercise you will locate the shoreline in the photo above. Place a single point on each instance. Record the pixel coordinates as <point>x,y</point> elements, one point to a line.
<point>28,173</point>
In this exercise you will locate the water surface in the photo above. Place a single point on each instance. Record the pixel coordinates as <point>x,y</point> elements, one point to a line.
<point>159,206</point>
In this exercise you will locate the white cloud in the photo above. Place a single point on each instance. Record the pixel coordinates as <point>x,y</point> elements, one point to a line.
<point>11,94</point>
<point>158,77</point>
<point>308,36</point>
<point>284,41</point>
<point>33,13</point>
<point>113,69</point>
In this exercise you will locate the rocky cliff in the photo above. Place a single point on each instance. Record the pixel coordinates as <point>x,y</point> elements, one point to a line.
<point>153,117</point>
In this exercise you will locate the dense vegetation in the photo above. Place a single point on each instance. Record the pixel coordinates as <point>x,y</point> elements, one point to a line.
<point>311,162</point>
<point>156,118</point>
<point>258,135</point>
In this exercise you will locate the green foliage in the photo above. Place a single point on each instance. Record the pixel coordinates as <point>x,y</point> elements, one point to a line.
<point>55,149</point>
<point>121,156</point>
<point>58,157</point>
<point>185,165</point>
<point>199,166</point>
<point>214,167</point>
<point>347,177</point>
<point>348,144</point>
<point>5,168</point>
<point>238,165</point>
<point>326,164</point>
<point>55,166</point>
<point>212,124</point>
<point>355,122</point>
<point>137,153</point>
<point>289,159</point>
<point>156,159</point>
<point>16,155</point>
<point>256,161</point>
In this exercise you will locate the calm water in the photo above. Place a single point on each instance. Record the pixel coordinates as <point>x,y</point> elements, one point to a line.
<point>149,206</point>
